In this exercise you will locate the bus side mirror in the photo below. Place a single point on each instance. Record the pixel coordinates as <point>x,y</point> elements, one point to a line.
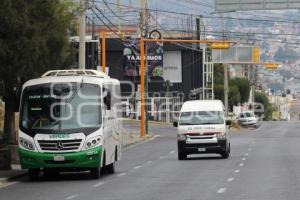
<point>175,124</point>
<point>228,122</point>
<point>107,100</point>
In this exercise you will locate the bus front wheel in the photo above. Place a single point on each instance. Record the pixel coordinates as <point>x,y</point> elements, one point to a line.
<point>33,174</point>
<point>110,169</point>
<point>95,173</point>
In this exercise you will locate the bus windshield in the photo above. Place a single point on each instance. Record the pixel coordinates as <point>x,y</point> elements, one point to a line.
<point>201,118</point>
<point>61,107</point>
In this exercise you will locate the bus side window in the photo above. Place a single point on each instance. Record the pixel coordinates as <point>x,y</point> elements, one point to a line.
<point>107,98</point>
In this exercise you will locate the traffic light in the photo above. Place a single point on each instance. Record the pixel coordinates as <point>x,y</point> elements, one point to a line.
<point>271,66</point>
<point>256,55</point>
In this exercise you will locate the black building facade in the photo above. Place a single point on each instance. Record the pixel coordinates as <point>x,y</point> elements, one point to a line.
<point>191,68</point>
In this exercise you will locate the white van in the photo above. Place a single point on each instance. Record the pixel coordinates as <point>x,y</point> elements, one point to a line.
<point>202,129</point>
<point>70,120</point>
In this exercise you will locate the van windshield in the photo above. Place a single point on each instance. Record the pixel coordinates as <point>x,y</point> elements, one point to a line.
<point>247,114</point>
<point>201,118</point>
<point>61,106</point>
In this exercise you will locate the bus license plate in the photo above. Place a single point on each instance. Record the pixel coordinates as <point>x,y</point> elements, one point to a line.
<point>59,158</point>
<point>201,149</point>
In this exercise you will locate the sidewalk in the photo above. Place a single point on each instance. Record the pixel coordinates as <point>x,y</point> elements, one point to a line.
<point>9,175</point>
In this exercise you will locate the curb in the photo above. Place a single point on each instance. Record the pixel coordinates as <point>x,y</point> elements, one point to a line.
<point>150,122</point>
<point>142,141</point>
<point>18,176</point>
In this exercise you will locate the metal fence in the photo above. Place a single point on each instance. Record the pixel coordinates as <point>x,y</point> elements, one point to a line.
<point>163,109</point>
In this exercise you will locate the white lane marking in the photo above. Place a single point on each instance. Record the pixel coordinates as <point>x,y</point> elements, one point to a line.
<point>172,152</point>
<point>237,171</point>
<point>137,167</point>
<point>99,184</point>
<point>122,174</point>
<point>230,179</point>
<point>221,190</point>
<point>243,159</point>
<point>150,161</point>
<point>246,154</point>
<point>71,196</point>
<point>242,164</point>
<point>161,157</point>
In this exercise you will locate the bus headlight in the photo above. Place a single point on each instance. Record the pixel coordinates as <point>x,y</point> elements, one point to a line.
<point>27,144</point>
<point>92,142</point>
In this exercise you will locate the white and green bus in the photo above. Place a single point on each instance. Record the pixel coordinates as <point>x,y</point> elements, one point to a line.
<point>70,120</point>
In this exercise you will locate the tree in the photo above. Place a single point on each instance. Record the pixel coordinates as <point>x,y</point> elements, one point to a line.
<point>244,88</point>
<point>234,97</point>
<point>234,94</point>
<point>33,39</point>
<point>219,73</point>
<point>239,88</point>
<point>219,91</point>
<point>268,108</point>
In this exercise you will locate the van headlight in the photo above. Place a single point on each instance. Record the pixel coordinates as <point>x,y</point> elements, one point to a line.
<point>26,144</point>
<point>221,135</point>
<point>95,141</point>
<point>181,137</point>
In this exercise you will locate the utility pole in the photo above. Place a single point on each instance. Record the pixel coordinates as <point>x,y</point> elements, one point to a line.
<point>93,38</point>
<point>99,50</point>
<point>103,45</point>
<point>198,31</point>
<point>226,85</point>
<point>143,48</point>
<point>82,35</point>
<point>226,89</point>
<point>119,17</point>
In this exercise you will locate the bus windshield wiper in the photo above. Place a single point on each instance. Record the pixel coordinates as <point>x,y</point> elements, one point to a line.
<point>75,93</point>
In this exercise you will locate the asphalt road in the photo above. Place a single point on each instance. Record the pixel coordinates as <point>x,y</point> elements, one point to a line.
<point>264,164</point>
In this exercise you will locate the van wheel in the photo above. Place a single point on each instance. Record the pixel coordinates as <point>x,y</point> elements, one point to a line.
<point>225,155</point>
<point>33,174</point>
<point>95,173</point>
<point>181,155</point>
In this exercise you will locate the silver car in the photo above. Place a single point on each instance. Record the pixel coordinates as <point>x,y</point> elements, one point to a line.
<point>247,118</point>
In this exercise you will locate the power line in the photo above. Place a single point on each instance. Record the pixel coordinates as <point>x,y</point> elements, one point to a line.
<point>213,33</point>
<point>207,16</point>
<point>113,12</point>
<point>115,32</point>
<point>196,8</point>
<point>245,33</point>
